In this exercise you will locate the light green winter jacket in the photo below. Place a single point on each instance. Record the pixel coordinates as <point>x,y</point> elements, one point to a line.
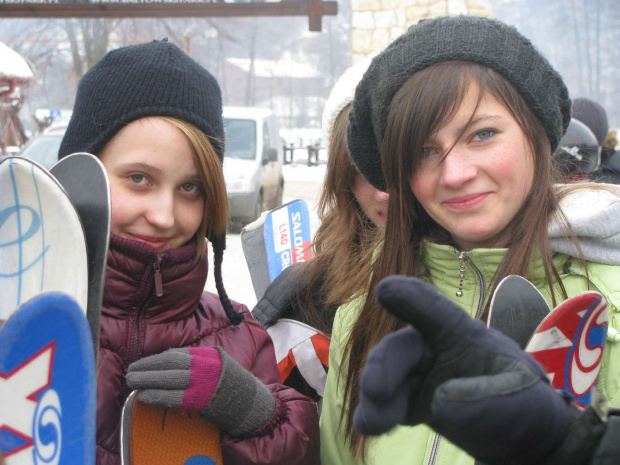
<point>420,445</point>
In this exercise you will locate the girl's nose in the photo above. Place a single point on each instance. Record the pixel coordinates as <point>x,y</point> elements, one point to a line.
<point>160,211</point>
<point>381,196</point>
<point>457,169</point>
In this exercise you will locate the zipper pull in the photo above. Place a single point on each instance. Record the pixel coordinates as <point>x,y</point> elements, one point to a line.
<point>462,258</point>
<point>159,286</point>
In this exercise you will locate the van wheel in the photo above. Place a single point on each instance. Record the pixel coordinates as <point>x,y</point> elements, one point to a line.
<point>280,194</point>
<point>235,226</point>
<point>258,209</point>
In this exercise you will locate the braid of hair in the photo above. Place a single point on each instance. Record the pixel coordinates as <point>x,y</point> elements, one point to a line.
<point>219,245</point>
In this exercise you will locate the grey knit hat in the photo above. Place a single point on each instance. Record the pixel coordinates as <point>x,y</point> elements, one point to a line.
<point>462,38</point>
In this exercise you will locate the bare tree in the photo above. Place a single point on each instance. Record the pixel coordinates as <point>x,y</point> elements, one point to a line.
<point>94,37</point>
<point>581,40</point>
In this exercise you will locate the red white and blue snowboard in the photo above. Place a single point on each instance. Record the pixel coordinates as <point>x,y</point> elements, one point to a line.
<point>569,344</point>
<point>275,241</point>
<point>47,384</point>
<point>42,246</point>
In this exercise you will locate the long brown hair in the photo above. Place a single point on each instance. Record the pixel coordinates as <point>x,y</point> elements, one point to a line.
<point>343,242</point>
<point>423,103</point>
<point>215,216</point>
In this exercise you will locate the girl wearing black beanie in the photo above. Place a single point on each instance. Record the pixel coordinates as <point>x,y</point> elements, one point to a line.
<point>153,116</point>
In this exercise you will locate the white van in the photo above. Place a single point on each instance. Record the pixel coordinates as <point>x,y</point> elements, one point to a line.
<point>253,163</point>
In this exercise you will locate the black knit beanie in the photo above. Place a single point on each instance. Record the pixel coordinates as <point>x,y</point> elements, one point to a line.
<point>462,38</point>
<point>592,115</point>
<point>152,79</point>
<point>129,83</point>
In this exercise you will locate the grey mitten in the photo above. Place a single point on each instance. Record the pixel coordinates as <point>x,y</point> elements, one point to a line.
<point>207,381</point>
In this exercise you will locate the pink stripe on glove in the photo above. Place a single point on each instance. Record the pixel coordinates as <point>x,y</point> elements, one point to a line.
<point>205,371</point>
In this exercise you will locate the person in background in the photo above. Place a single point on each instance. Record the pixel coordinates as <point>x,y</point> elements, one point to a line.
<point>298,307</point>
<point>611,144</point>
<point>153,117</point>
<point>610,170</point>
<point>593,115</point>
<point>578,156</point>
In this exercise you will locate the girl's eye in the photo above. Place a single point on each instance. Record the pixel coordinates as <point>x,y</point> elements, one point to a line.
<point>427,152</point>
<point>190,188</point>
<point>484,134</point>
<point>138,178</point>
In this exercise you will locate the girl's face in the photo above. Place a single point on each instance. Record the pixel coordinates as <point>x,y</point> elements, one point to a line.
<point>475,191</point>
<point>372,201</point>
<point>156,189</point>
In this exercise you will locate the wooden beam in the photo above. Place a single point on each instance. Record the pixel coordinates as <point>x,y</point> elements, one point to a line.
<point>314,9</point>
<point>315,17</point>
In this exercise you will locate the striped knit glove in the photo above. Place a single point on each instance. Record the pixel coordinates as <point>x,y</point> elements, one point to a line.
<point>206,381</point>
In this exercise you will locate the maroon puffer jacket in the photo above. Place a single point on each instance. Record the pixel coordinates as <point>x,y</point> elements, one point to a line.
<point>135,323</point>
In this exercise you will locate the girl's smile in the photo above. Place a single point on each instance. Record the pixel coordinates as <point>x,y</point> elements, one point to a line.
<point>158,243</point>
<point>466,202</point>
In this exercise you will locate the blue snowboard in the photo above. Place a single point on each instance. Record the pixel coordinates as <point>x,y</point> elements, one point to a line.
<point>47,384</point>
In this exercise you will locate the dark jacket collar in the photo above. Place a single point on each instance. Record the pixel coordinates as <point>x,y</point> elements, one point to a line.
<point>130,280</point>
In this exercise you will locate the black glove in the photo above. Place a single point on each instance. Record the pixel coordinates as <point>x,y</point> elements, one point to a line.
<point>469,383</point>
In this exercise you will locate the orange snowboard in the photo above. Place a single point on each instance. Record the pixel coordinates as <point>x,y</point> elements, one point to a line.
<point>166,436</point>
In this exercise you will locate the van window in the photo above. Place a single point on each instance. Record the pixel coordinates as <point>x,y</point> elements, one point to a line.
<point>240,138</point>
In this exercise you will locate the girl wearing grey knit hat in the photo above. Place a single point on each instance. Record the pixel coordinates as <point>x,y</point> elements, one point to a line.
<point>153,116</point>
<point>457,121</point>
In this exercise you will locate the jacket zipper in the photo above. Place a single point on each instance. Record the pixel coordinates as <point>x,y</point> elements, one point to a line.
<point>464,258</point>
<point>158,285</point>
<point>434,448</point>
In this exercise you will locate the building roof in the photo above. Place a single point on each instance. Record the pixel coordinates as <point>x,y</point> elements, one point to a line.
<point>284,67</point>
<point>13,65</point>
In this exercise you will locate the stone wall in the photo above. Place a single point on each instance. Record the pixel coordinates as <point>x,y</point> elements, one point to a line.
<point>376,23</point>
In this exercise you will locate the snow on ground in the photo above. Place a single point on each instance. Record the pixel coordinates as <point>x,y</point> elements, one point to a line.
<point>298,172</point>
<point>300,182</point>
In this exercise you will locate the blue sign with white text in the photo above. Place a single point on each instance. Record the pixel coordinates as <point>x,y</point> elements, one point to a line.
<point>287,236</point>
